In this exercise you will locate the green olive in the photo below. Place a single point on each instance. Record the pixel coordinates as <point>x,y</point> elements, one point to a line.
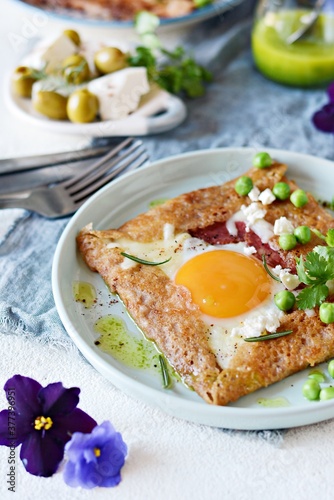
<point>75,69</point>
<point>23,80</point>
<point>82,106</point>
<point>50,104</point>
<point>74,36</point>
<point>109,59</point>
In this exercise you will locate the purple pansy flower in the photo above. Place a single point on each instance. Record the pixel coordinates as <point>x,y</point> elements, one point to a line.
<point>42,420</point>
<point>95,459</point>
<point>324,118</point>
<point>330,92</point>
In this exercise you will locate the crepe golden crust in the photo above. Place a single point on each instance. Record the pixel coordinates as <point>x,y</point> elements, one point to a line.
<point>166,314</point>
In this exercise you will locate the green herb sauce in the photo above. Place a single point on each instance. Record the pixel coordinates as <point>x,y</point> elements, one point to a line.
<point>273,402</point>
<point>157,202</point>
<point>84,292</point>
<point>115,339</point>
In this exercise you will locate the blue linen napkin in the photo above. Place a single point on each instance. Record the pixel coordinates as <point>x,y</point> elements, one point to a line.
<point>26,302</point>
<point>241,108</point>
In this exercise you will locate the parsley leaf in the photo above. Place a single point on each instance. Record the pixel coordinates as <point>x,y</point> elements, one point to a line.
<point>312,296</point>
<point>300,267</point>
<point>318,268</point>
<point>174,71</point>
<point>315,271</point>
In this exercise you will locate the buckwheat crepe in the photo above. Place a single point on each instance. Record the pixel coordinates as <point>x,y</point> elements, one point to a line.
<point>165,311</point>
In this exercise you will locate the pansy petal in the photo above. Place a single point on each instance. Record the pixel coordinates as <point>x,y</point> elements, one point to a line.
<point>6,430</point>
<point>56,400</point>
<point>330,92</point>
<point>77,421</point>
<point>77,447</point>
<point>22,393</point>
<point>70,476</point>
<point>324,118</point>
<point>104,473</point>
<point>81,474</point>
<point>111,460</point>
<point>41,456</point>
<point>13,430</point>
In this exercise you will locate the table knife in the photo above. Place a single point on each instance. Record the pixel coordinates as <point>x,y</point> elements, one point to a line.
<point>27,179</point>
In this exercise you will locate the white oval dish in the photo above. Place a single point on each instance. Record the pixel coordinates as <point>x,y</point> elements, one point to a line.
<point>159,112</point>
<point>126,197</point>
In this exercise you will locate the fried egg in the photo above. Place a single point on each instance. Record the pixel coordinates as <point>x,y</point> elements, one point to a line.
<point>231,287</point>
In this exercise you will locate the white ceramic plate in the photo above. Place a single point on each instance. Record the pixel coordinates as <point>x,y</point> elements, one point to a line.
<point>130,195</point>
<point>199,15</point>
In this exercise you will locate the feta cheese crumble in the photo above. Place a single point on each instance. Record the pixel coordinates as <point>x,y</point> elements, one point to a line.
<point>249,250</point>
<point>283,226</point>
<point>253,212</point>
<point>254,326</point>
<point>254,194</point>
<point>267,197</point>
<point>290,281</point>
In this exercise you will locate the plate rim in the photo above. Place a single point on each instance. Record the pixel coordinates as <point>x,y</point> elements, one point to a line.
<point>264,418</point>
<point>197,15</point>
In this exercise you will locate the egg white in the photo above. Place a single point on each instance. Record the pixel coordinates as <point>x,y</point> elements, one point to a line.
<point>224,334</point>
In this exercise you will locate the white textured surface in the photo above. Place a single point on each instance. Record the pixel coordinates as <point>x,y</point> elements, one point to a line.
<point>169,458</point>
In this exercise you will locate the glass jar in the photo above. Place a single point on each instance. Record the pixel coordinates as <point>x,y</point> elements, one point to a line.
<point>306,62</point>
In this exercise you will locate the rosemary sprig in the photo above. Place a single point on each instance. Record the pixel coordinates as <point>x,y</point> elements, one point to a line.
<point>265,265</point>
<point>164,372</point>
<point>318,233</point>
<point>269,336</point>
<point>142,261</point>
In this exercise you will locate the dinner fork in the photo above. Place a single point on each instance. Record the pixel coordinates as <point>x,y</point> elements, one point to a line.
<point>66,197</point>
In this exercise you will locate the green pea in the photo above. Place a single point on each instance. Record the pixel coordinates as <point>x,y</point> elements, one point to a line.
<point>326,312</point>
<point>311,390</point>
<point>327,393</point>
<point>303,234</point>
<point>285,300</point>
<point>281,190</point>
<point>331,368</point>
<point>243,185</point>
<point>262,160</point>
<point>318,376</point>
<point>287,241</point>
<point>299,198</point>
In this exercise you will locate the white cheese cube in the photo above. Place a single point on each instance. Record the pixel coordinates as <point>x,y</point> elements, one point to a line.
<point>119,93</point>
<point>54,54</point>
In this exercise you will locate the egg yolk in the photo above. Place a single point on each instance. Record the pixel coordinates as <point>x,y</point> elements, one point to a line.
<point>224,283</point>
